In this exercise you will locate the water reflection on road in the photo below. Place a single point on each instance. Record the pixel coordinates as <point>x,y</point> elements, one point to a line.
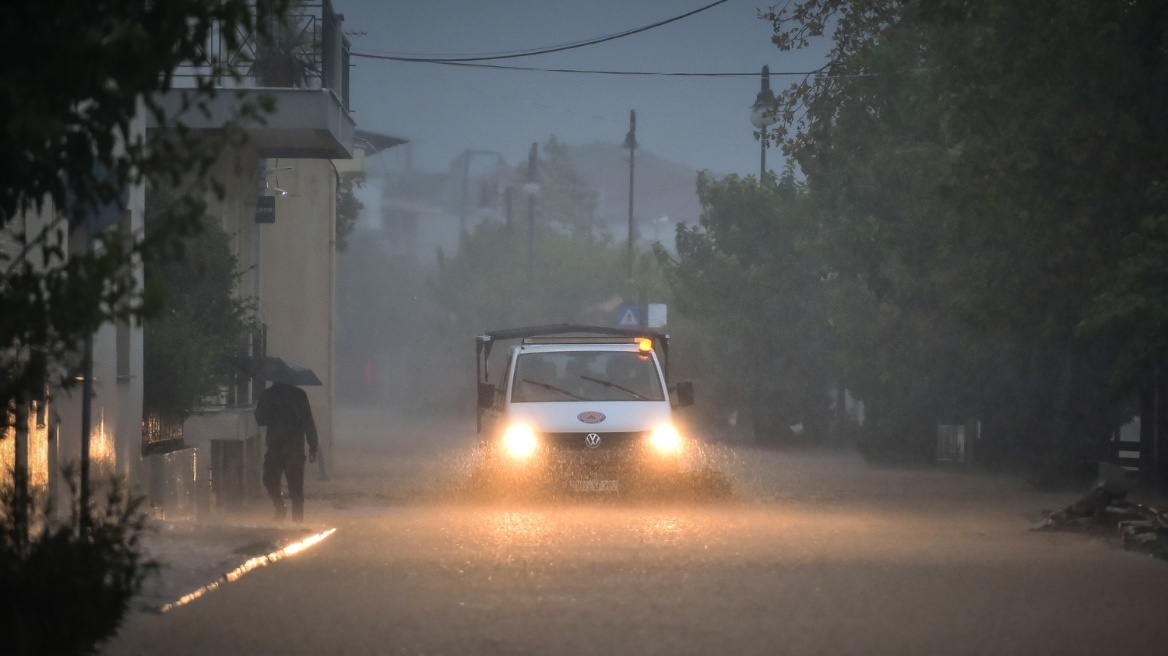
<point>541,528</point>
<point>517,528</point>
<point>813,553</point>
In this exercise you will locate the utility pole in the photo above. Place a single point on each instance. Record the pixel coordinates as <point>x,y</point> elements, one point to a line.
<point>631,144</point>
<point>462,208</point>
<point>762,116</point>
<point>532,188</point>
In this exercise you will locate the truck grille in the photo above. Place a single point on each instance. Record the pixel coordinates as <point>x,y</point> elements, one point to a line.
<point>578,441</point>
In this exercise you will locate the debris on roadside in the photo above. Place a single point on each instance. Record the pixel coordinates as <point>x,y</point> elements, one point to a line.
<point>1105,509</point>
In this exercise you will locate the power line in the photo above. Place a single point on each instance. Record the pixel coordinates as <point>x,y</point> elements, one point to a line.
<point>819,73</point>
<point>536,51</point>
<point>589,71</point>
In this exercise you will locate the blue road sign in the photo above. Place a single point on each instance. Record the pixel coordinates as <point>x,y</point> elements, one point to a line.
<point>628,315</point>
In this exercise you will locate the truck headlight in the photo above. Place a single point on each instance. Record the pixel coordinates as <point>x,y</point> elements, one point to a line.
<point>519,441</point>
<point>665,440</point>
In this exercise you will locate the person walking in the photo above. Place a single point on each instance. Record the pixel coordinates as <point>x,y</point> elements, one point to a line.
<point>284,409</point>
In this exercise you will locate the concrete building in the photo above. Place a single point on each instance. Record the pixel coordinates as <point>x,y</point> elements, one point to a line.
<point>50,435</point>
<point>289,167</point>
<point>288,256</point>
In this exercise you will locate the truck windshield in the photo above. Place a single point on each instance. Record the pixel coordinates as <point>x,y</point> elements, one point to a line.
<point>586,376</point>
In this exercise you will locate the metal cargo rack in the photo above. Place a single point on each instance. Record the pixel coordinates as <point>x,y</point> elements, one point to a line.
<point>566,333</point>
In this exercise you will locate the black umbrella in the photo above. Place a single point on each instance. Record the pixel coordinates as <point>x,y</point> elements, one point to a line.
<point>279,370</point>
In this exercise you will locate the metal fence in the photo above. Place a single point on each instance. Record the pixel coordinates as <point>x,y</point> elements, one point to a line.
<point>304,50</point>
<point>160,434</point>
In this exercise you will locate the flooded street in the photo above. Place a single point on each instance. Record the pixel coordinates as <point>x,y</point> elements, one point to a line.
<point>376,327</point>
<point>812,553</point>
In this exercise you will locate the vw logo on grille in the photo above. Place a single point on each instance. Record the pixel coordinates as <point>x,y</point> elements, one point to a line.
<point>592,440</point>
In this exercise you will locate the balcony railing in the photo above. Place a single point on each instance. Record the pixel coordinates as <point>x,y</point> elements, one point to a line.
<point>306,50</point>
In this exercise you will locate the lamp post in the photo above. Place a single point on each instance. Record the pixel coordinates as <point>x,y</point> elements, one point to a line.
<point>631,144</point>
<point>532,188</point>
<point>762,116</point>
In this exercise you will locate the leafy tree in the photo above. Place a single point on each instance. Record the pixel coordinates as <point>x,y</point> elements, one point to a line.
<point>190,347</point>
<point>980,168</point>
<point>1133,301</point>
<point>487,284</point>
<point>575,268</point>
<point>751,278</point>
<point>565,199</point>
<point>491,281</point>
<point>484,285</point>
<point>70,150</point>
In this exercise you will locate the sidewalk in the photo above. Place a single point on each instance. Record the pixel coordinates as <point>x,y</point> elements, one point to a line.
<point>372,469</point>
<point>195,555</point>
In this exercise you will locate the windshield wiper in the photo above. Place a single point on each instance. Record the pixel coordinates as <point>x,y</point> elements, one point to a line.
<point>609,383</point>
<point>549,386</point>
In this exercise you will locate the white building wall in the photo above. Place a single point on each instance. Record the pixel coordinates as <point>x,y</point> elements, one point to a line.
<point>289,266</point>
<point>116,411</point>
<point>289,270</point>
<point>298,275</point>
<point>238,171</point>
<point>33,450</point>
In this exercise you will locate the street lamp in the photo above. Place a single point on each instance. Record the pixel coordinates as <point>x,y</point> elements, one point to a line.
<point>762,115</point>
<point>631,144</point>
<point>531,188</point>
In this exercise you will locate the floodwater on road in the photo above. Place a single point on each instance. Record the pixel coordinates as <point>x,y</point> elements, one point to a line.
<point>811,553</point>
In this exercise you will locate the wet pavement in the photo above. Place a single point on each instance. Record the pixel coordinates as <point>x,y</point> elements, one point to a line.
<point>813,553</point>
<point>193,555</point>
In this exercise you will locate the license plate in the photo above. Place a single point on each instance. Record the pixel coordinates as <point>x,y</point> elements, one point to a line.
<point>593,486</point>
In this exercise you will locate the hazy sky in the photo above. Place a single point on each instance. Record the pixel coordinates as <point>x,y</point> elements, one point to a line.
<point>702,122</point>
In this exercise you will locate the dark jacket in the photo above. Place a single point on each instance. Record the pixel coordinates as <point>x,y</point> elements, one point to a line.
<point>285,411</point>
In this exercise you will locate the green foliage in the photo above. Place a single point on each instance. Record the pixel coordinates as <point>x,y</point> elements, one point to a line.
<point>1133,302</point>
<point>348,209</point>
<point>752,280</point>
<point>487,285</point>
<point>109,57</point>
<point>981,228</point>
<point>190,346</point>
<point>72,147</point>
<point>63,588</point>
<point>565,199</point>
<point>405,331</point>
<point>987,174</point>
<point>493,283</point>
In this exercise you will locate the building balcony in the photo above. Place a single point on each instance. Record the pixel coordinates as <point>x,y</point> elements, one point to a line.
<point>302,64</point>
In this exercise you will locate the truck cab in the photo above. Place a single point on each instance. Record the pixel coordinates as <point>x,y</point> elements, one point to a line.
<point>581,405</point>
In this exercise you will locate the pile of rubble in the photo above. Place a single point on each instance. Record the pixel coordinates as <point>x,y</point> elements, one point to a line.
<point>1104,509</point>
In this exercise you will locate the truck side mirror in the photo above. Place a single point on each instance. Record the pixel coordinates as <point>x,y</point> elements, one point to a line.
<point>685,394</point>
<point>486,396</point>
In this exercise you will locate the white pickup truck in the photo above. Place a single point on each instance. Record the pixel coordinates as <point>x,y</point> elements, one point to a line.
<point>588,408</point>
